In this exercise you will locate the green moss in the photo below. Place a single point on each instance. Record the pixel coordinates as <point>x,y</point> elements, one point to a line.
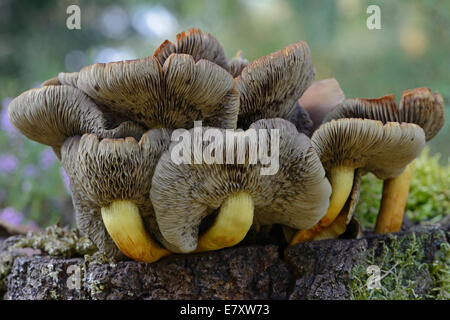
<point>440,272</point>
<point>429,195</point>
<point>401,271</point>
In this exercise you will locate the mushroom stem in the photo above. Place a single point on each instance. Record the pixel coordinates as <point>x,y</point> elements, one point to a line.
<point>341,179</point>
<point>231,225</point>
<point>124,224</point>
<point>393,202</point>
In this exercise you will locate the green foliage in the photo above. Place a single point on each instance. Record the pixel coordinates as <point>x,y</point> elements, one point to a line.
<point>440,272</point>
<point>429,194</point>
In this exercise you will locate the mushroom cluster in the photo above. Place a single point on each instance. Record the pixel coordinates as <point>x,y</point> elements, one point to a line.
<point>113,126</point>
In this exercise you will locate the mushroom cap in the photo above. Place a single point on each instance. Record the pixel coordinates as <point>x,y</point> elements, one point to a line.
<point>63,78</point>
<point>384,150</point>
<point>102,171</point>
<point>320,98</point>
<point>419,106</point>
<point>51,114</point>
<point>302,121</point>
<point>270,86</point>
<point>297,195</point>
<point>196,44</point>
<point>237,64</point>
<point>172,95</point>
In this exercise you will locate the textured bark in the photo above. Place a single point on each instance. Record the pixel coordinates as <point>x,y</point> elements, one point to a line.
<point>313,270</point>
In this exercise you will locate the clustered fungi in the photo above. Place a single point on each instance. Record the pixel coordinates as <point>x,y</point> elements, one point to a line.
<point>111,124</point>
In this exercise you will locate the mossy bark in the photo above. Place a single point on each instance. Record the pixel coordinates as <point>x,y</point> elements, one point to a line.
<point>327,269</point>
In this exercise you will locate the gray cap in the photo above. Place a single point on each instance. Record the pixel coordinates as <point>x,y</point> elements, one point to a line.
<point>297,195</point>
<point>385,150</point>
<point>51,114</point>
<point>172,95</point>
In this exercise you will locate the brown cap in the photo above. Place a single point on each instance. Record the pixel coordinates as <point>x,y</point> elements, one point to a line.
<point>297,195</point>
<point>102,171</point>
<point>51,114</point>
<point>270,86</point>
<point>419,106</point>
<point>320,98</point>
<point>172,95</point>
<point>384,150</point>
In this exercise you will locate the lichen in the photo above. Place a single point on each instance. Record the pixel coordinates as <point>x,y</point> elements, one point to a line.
<point>401,268</point>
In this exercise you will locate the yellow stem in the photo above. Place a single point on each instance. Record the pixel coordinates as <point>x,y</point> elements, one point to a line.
<point>125,226</point>
<point>231,225</point>
<point>341,180</point>
<point>393,201</point>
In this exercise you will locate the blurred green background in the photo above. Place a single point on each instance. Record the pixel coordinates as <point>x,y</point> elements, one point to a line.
<point>411,50</point>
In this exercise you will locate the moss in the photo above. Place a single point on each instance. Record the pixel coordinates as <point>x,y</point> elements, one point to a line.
<point>429,195</point>
<point>57,241</point>
<point>6,261</point>
<point>402,271</point>
<point>440,272</point>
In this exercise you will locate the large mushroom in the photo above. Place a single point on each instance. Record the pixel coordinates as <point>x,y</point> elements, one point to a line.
<point>347,144</point>
<point>270,86</point>
<point>183,194</point>
<point>110,181</point>
<point>419,106</point>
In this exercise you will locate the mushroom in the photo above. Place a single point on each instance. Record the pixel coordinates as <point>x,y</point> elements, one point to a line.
<point>347,144</point>
<point>237,64</point>
<point>419,106</point>
<point>51,114</point>
<point>183,194</point>
<point>110,181</point>
<point>270,86</point>
<point>320,98</point>
<point>172,95</point>
<point>302,121</point>
<point>63,78</point>
<point>196,44</point>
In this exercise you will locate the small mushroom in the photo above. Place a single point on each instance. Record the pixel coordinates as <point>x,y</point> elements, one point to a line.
<point>110,181</point>
<point>270,86</point>
<point>320,98</point>
<point>201,46</point>
<point>63,78</point>
<point>183,194</point>
<point>302,121</point>
<point>347,144</point>
<point>237,64</point>
<point>419,106</point>
<point>51,114</point>
<point>172,95</point>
